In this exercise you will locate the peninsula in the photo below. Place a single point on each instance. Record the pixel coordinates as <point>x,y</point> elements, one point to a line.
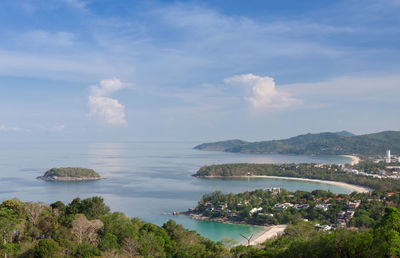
<point>333,174</point>
<point>70,174</point>
<point>337,143</point>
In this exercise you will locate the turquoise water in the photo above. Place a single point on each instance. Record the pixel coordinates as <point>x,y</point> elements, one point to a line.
<point>149,180</point>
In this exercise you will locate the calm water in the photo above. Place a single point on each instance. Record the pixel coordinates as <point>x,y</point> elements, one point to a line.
<point>146,180</point>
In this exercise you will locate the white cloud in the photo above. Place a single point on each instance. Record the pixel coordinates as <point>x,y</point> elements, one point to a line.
<point>264,94</point>
<point>4,128</point>
<point>107,87</point>
<point>107,109</point>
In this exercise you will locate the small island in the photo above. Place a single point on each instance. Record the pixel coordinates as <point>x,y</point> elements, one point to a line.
<point>70,174</point>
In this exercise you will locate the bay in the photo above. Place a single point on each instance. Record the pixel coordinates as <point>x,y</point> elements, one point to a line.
<point>149,180</point>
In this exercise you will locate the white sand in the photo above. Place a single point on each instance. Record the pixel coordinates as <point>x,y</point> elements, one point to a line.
<point>354,159</point>
<point>266,234</point>
<point>356,188</point>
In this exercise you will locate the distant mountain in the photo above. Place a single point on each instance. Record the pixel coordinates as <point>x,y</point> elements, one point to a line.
<point>316,144</point>
<point>345,133</point>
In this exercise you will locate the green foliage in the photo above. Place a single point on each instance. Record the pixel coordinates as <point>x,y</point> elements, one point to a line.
<point>387,234</point>
<point>316,144</point>
<point>120,235</point>
<point>71,172</point>
<point>108,242</point>
<point>8,223</point>
<point>93,207</point>
<point>13,204</point>
<point>327,172</point>
<point>58,205</point>
<point>47,248</point>
<point>86,250</point>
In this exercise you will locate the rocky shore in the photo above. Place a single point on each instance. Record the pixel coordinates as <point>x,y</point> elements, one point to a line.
<point>68,178</point>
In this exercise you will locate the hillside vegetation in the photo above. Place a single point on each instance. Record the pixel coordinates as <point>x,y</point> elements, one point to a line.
<point>87,228</point>
<point>316,144</point>
<point>71,172</point>
<point>326,172</point>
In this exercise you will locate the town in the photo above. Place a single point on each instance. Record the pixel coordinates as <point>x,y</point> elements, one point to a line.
<point>274,206</point>
<point>377,167</point>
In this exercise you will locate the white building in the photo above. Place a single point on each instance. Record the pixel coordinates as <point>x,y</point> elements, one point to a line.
<point>255,210</point>
<point>388,156</point>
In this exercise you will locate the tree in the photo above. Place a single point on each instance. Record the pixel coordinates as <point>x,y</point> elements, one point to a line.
<point>13,204</point>
<point>47,248</point>
<point>33,211</point>
<point>120,225</point>
<point>109,241</point>
<point>8,223</point>
<point>60,206</point>
<point>130,247</point>
<point>387,233</point>
<point>94,207</point>
<point>86,230</point>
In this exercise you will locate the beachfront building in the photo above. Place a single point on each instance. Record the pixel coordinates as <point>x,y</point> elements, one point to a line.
<point>255,210</point>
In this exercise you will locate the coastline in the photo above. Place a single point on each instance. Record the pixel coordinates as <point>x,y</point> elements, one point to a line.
<point>354,159</point>
<point>357,188</point>
<point>265,234</point>
<point>68,178</point>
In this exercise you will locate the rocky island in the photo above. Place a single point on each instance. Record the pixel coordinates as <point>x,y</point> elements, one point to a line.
<point>70,174</point>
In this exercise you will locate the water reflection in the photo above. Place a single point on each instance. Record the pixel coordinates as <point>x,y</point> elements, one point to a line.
<point>106,158</point>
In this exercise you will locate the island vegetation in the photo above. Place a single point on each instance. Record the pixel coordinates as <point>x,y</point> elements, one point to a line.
<point>310,171</point>
<point>70,174</point>
<point>316,144</point>
<point>87,228</point>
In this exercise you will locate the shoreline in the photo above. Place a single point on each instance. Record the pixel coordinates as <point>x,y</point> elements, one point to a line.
<point>68,178</point>
<point>357,188</point>
<point>267,233</point>
<point>354,159</point>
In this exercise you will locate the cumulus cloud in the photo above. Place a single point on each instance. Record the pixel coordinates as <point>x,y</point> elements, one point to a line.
<point>107,87</point>
<point>4,128</point>
<point>264,94</point>
<point>107,109</point>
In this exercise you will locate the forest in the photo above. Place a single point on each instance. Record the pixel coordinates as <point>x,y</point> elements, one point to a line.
<point>87,228</point>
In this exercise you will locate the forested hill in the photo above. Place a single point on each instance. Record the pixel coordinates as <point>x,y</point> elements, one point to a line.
<point>316,144</point>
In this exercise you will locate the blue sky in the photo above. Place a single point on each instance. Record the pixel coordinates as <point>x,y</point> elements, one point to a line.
<point>108,70</point>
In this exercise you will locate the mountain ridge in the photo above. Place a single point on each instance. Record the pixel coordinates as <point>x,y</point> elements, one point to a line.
<point>326,143</point>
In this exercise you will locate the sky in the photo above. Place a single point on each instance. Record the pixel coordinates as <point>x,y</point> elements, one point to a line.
<point>105,70</point>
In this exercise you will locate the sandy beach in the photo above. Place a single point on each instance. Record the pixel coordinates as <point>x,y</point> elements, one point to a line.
<point>357,188</point>
<point>267,233</point>
<point>354,159</point>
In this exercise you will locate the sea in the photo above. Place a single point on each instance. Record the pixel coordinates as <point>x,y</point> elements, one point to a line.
<point>149,180</point>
